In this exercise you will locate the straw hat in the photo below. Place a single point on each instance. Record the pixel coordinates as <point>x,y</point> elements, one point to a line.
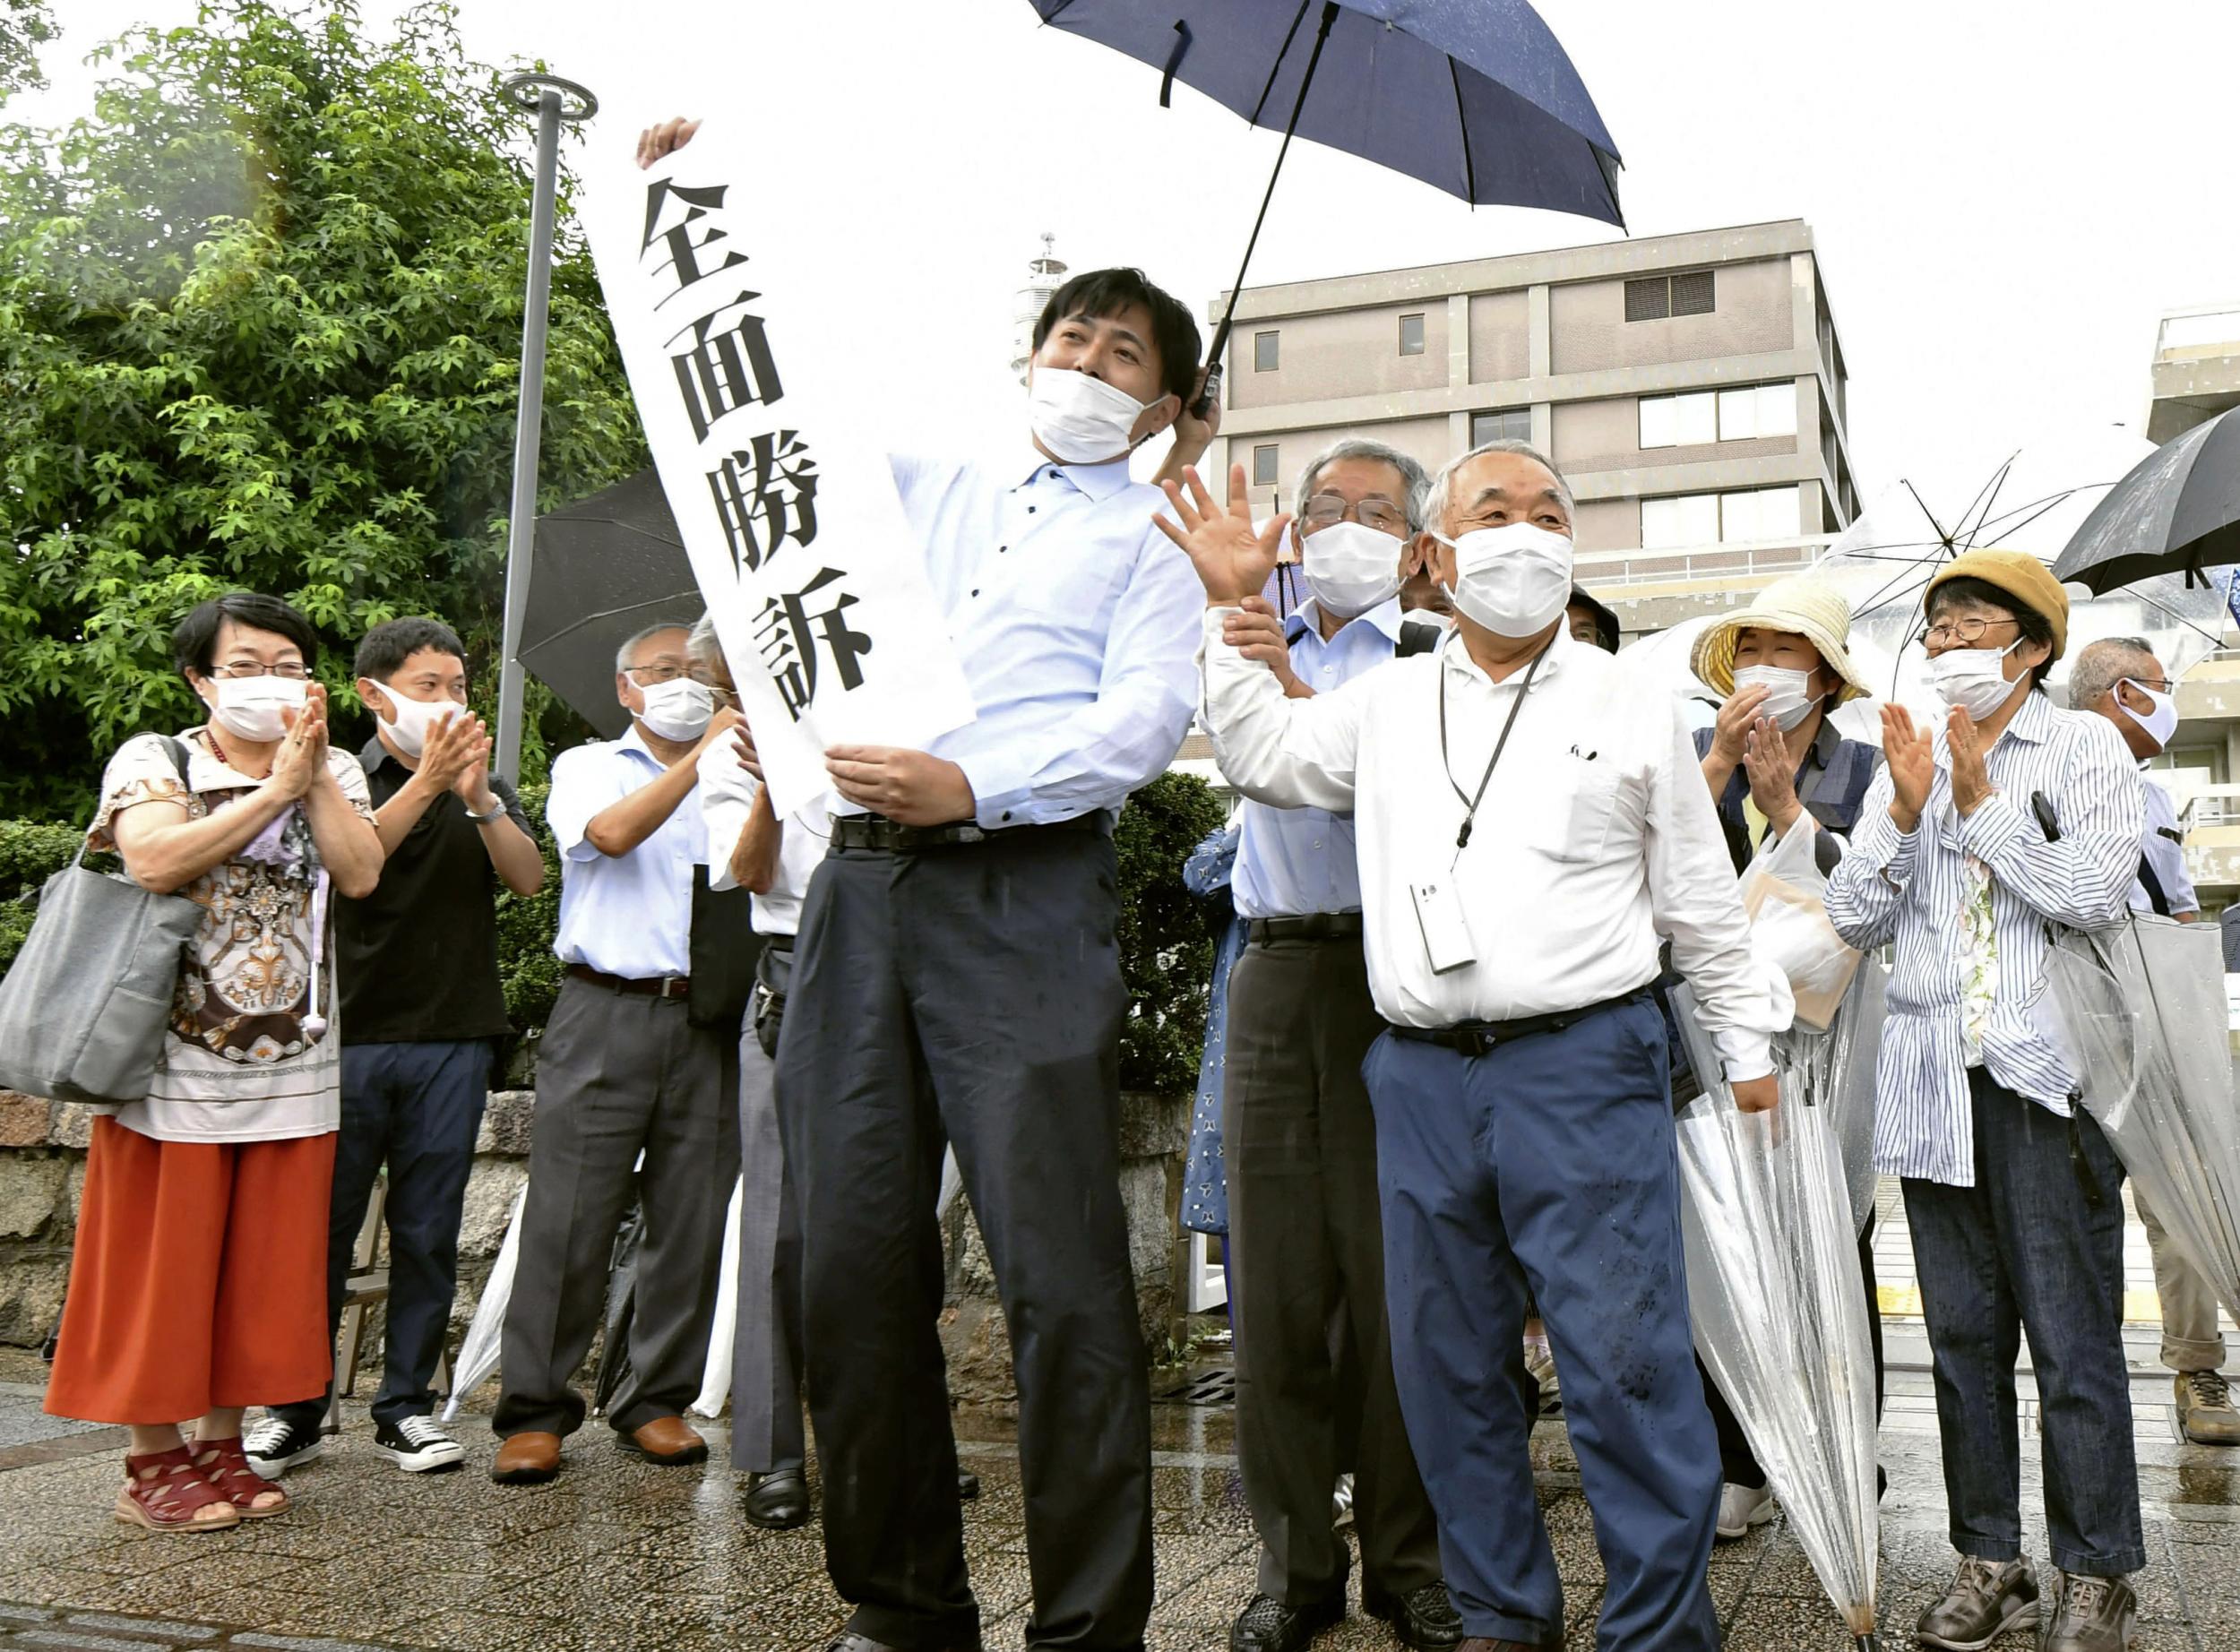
<point>2020,576</point>
<point>1811,607</point>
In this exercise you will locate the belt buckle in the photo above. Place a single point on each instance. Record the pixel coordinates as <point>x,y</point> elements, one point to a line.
<point>1477,1040</point>
<point>672,981</point>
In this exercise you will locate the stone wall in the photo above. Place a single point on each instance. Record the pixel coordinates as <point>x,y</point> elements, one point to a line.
<point>42,1173</point>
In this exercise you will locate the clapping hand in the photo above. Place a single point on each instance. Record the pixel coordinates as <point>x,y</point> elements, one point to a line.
<point>454,742</point>
<point>1911,757</point>
<point>1765,757</point>
<point>302,755</point>
<point>1232,561</point>
<point>1731,735</point>
<point>1970,784</point>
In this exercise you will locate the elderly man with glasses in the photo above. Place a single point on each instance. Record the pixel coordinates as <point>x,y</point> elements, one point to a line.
<point>1306,1248</point>
<point>623,1067</point>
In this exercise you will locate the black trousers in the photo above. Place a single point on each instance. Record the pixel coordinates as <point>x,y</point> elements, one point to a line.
<point>1315,1388</point>
<point>969,995</point>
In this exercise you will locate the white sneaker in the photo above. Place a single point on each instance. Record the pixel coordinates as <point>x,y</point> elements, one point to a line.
<point>274,1447</point>
<point>416,1445</point>
<point>1742,1507</point>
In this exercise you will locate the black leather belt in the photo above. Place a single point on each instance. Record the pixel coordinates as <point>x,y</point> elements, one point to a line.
<point>875,831</point>
<point>779,944</point>
<point>1481,1037</point>
<point>1307,927</point>
<point>651,987</point>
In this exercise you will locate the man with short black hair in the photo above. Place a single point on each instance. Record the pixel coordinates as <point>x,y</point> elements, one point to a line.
<point>423,1012</point>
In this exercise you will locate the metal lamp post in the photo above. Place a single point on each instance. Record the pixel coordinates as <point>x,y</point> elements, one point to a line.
<point>555,100</point>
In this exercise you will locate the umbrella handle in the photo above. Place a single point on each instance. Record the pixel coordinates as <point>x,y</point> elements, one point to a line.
<point>1204,403</point>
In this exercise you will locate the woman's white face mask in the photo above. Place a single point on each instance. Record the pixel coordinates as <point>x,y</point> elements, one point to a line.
<point>1975,680</point>
<point>256,707</point>
<point>1788,700</point>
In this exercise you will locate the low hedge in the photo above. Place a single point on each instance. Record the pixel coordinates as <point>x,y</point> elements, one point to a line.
<point>1164,953</point>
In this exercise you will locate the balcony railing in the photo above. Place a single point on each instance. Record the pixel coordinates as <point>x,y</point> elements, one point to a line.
<point>1725,561</point>
<point>2214,331</point>
<point>2212,805</point>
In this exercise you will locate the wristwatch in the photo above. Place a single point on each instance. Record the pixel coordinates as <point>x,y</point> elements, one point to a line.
<point>495,810</point>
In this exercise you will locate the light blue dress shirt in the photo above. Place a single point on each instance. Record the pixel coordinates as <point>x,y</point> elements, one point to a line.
<point>1295,861</point>
<point>628,914</point>
<point>2164,846</point>
<point>1076,623</point>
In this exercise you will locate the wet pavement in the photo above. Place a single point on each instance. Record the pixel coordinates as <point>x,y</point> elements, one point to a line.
<point>617,1554</point>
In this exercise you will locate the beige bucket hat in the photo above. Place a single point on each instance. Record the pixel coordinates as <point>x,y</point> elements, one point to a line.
<point>1804,604</point>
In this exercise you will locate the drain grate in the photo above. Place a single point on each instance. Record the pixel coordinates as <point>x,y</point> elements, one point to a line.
<point>1207,1388</point>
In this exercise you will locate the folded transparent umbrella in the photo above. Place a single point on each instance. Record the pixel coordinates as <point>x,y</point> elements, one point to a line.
<point>2143,1009</point>
<point>1775,1292</point>
<point>479,1350</point>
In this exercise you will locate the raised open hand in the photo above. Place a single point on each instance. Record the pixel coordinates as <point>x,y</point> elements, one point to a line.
<point>1232,561</point>
<point>1911,755</point>
<point>1971,783</point>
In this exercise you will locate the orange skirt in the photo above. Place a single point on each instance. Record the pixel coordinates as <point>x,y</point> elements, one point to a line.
<point>199,1280</point>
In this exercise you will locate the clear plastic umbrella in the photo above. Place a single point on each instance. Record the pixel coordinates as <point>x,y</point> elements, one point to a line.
<point>478,1350</point>
<point>1663,663</point>
<point>715,1377</point>
<point>1777,1304</point>
<point>2143,1006</point>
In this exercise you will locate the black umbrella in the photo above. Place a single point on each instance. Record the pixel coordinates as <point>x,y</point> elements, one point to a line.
<point>1476,96</point>
<point>607,567</point>
<point>2178,511</point>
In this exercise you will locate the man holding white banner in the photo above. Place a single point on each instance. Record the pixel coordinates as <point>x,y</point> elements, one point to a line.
<point>957,979</point>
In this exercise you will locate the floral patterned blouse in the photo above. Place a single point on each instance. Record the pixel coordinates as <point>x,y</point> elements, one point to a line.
<point>239,1063</point>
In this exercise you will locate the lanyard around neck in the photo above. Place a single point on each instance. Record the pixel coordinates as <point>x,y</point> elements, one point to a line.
<point>1469,803</point>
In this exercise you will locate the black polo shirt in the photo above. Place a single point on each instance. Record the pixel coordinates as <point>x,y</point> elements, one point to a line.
<point>417,958</point>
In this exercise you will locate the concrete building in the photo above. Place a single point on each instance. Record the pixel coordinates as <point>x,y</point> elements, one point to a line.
<point>1692,386</point>
<point>2196,369</point>
<point>1045,276</point>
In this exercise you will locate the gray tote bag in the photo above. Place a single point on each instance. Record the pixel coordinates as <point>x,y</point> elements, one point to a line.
<point>83,1008</point>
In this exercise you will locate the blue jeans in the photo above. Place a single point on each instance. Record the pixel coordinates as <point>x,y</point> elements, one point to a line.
<point>1548,1167</point>
<point>2027,1249</point>
<point>417,1108</point>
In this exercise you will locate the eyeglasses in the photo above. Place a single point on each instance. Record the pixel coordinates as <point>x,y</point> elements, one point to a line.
<point>646,676</point>
<point>294,670</point>
<point>1324,509</point>
<point>1967,631</point>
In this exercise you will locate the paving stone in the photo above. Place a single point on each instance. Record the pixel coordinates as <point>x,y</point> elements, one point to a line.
<point>75,1641</point>
<point>301,1643</point>
<point>163,1628</point>
<point>11,1614</point>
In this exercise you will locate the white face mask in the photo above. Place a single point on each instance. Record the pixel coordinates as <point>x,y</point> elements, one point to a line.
<point>1350,567</point>
<point>678,708</point>
<point>1789,699</point>
<point>1078,419</point>
<point>2160,723</point>
<point>253,707</point>
<point>1515,580</point>
<point>415,718</point>
<point>1975,680</point>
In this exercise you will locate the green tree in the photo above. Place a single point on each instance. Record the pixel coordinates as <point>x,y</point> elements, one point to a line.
<point>25,26</point>
<point>260,325</point>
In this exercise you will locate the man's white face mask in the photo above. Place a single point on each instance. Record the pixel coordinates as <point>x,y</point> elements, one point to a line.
<point>1350,567</point>
<point>1078,419</point>
<point>1514,580</point>
<point>2161,722</point>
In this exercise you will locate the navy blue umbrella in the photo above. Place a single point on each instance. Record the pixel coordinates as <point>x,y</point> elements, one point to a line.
<point>1475,96</point>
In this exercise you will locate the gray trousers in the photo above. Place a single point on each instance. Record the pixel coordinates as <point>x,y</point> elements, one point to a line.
<point>972,995</point>
<point>766,1429</point>
<point>1306,1279</point>
<point>618,1074</point>
<point>2191,1340</point>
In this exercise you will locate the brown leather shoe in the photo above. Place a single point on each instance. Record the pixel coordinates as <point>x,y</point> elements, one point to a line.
<point>668,1441</point>
<point>527,1459</point>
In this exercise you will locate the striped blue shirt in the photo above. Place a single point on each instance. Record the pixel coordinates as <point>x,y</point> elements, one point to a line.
<point>1910,888</point>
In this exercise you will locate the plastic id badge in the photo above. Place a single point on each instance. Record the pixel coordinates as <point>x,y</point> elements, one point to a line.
<point>1446,931</point>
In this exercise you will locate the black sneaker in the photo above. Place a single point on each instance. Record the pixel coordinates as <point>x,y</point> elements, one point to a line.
<point>416,1445</point>
<point>274,1445</point>
<point>1424,1618</point>
<point>1268,1625</point>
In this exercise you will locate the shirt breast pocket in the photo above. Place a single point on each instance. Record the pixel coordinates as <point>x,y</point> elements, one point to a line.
<point>1584,802</point>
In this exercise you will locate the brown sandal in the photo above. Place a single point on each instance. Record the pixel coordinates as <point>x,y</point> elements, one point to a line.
<point>224,1466</point>
<point>164,1492</point>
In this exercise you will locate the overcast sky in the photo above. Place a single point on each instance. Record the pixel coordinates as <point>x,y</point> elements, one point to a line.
<point>2003,198</point>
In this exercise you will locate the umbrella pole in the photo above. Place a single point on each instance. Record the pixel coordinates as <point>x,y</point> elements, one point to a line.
<point>555,100</point>
<point>1228,314</point>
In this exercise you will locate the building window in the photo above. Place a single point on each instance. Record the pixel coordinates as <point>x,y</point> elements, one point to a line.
<point>1654,298</point>
<point>1265,471</point>
<point>1759,513</point>
<point>1504,425</point>
<point>1264,352</point>
<point>1679,520</point>
<point>1760,410</point>
<point>1411,335</point>
<point>1680,421</point>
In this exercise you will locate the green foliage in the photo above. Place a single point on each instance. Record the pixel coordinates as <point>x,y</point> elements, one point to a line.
<point>260,323</point>
<point>527,925</point>
<point>25,26</point>
<point>1166,954</point>
<point>30,854</point>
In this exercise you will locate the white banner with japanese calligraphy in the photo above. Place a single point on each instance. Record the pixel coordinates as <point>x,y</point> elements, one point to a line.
<point>789,514</point>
